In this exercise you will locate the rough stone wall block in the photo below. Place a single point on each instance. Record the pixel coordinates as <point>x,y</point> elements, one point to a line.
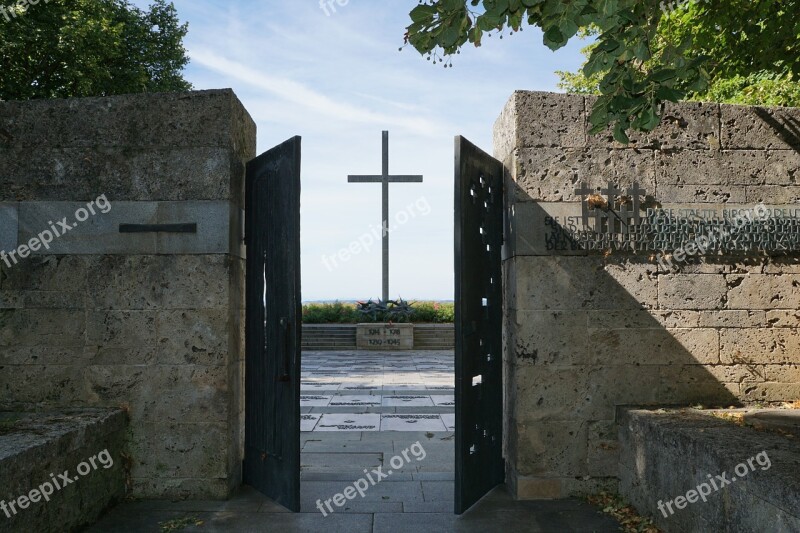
<point>586,332</point>
<point>150,321</point>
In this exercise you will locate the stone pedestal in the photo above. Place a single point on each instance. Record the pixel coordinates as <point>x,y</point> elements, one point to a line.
<point>385,336</point>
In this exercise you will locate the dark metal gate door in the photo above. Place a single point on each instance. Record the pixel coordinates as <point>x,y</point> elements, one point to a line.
<point>272,366</point>
<point>479,315</point>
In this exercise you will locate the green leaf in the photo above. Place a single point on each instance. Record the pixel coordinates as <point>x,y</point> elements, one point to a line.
<point>423,13</point>
<point>554,39</point>
<point>662,75</point>
<point>619,133</point>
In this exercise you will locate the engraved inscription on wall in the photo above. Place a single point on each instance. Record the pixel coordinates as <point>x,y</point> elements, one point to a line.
<point>612,219</point>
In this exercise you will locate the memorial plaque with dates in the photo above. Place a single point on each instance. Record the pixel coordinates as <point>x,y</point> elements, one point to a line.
<point>385,336</point>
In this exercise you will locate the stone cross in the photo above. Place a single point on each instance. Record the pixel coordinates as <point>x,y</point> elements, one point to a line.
<point>385,179</point>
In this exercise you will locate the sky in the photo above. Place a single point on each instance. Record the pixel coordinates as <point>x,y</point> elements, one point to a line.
<point>336,77</point>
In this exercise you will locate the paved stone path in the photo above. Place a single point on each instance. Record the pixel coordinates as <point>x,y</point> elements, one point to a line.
<point>377,391</point>
<point>418,494</point>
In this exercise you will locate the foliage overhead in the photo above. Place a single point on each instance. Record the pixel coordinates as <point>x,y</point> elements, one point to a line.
<point>74,48</point>
<point>646,52</point>
<point>752,62</point>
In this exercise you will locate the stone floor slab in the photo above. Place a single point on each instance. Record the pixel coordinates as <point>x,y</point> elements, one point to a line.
<point>412,422</point>
<point>407,401</point>
<point>348,422</point>
<point>308,421</point>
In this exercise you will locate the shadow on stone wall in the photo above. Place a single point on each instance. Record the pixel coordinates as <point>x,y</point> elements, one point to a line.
<point>586,334</point>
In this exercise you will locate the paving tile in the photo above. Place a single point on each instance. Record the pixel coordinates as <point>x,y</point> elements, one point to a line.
<point>385,491</point>
<point>443,507</point>
<point>354,506</point>
<point>412,422</point>
<point>314,401</point>
<point>360,399</point>
<point>449,421</point>
<point>438,491</point>
<point>443,400</point>
<point>348,478</point>
<point>349,422</point>
<point>308,421</point>
<point>407,400</point>
<point>290,523</point>
<point>434,476</point>
<point>339,461</point>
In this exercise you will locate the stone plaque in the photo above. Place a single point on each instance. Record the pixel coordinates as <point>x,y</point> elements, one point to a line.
<point>385,336</point>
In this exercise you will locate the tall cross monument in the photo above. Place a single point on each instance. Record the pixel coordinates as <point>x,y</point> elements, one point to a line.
<point>385,179</point>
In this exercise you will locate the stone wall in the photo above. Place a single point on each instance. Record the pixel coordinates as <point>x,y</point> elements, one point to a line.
<point>152,322</point>
<point>36,450</point>
<point>588,331</point>
<point>666,455</point>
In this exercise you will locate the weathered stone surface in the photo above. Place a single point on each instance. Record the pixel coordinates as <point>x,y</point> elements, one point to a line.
<point>759,345</point>
<point>547,119</point>
<point>602,454</point>
<point>553,174</point>
<point>504,140</point>
<point>87,444</point>
<point>44,386</point>
<point>121,328</point>
<point>9,226</point>
<point>693,384</point>
<point>773,194</point>
<point>703,193</point>
<point>549,337</point>
<point>727,167</point>
<point>152,282</point>
<point>745,127</point>
<point>783,319</point>
<point>643,319</point>
<point>771,392</point>
<point>692,126</point>
<point>195,337</point>
<point>160,334</point>
<point>783,373</point>
<point>137,174</point>
<point>544,283</point>
<point>665,454</point>
<point>197,118</point>
<point>179,450</point>
<point>41,327</point>
<point>553,449</point>
<point>733,319</point>
<point>657,346</point>
<point>585,334</point>
<point>52,273</point>
<point>757,291</point>
<point>690,291</point>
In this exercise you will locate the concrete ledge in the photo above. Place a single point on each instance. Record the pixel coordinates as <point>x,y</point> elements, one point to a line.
<point>37,449</point>
<point>667,453</point>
